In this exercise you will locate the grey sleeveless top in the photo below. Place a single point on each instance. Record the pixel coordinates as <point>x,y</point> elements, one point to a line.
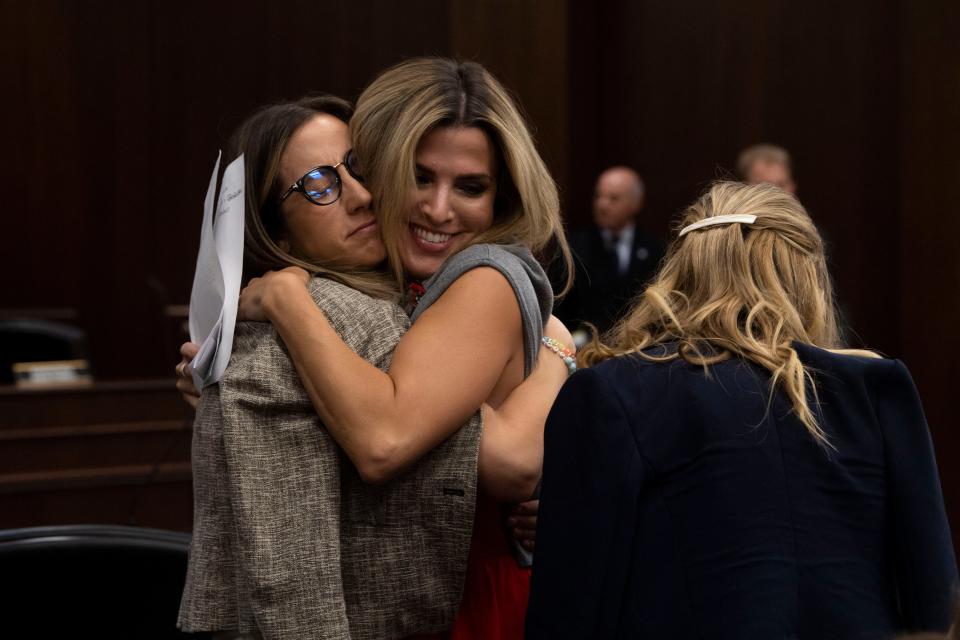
<point>526,276</point>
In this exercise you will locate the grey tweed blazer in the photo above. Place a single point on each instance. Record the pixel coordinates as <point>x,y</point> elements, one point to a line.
<point>287,539</point>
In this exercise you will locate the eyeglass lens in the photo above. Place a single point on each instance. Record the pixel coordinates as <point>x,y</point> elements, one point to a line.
<point>352,163</point>
<point>322,185</point>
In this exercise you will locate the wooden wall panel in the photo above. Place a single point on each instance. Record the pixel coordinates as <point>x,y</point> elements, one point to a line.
<point>928,227</point>
<point>120,108</point>
<point>105,453</point>
<point>524,44</point>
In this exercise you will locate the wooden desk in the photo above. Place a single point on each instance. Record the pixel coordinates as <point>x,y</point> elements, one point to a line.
<point>110,452</point>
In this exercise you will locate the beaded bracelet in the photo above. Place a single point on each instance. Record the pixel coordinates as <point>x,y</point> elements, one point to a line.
<point>565,354</point>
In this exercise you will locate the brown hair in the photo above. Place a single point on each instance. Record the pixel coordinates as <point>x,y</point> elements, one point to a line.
<point>262,138</point>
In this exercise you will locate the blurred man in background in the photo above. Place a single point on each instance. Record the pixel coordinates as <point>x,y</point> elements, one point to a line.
<point>613,257</point>
<point>766,163</point>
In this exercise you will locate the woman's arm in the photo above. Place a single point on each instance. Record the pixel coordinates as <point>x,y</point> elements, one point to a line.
<point>445,367</point>
<point>511,447</point>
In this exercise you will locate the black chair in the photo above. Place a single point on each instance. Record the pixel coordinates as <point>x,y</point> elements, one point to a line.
<point>97,581</point>
<point>30,340</point>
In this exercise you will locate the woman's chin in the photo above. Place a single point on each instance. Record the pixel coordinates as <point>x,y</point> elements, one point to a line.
<point>421,269</point>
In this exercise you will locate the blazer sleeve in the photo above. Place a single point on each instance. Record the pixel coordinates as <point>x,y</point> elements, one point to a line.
<point>925,563</point>
<point>591,482</point>
<point>283,479</point>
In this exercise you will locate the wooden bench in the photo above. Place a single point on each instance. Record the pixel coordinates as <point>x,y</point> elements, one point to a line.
<point>108,453</point>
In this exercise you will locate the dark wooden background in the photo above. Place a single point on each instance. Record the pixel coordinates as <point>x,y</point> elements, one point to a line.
<point>113,112</point>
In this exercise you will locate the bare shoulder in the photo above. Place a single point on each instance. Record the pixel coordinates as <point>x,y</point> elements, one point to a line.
<point>481,285</point>
<point>480,303</point>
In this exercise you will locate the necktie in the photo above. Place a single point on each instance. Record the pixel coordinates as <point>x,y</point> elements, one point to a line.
<point>613,248</point>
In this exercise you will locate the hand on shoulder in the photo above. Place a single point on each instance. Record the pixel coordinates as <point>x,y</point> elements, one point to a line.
<point>260,294</point>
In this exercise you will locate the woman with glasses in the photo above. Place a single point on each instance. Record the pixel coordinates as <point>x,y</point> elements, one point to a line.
<point>462,197</point>
<point>738,472</point>
<point>275,511</point>
<point>454,173</point>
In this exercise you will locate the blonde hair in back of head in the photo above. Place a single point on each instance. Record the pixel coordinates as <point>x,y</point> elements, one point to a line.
<point>407,101</point>
<point>739,290</point>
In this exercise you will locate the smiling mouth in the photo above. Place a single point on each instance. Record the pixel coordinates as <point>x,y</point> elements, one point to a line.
<point>432,237</point>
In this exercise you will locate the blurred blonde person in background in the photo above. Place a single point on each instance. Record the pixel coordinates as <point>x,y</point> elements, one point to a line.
<point>766,163</point>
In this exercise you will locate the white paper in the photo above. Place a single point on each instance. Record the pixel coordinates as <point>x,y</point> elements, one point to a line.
<point>216,282</point>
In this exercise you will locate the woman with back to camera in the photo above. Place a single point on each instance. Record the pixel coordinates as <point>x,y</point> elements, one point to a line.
<point>275,549</point>
<point>725,470</point>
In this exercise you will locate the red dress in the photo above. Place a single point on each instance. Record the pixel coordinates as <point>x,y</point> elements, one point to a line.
<point>495,589</point>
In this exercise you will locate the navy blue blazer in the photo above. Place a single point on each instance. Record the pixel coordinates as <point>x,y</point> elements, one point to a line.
<point>675,505</point>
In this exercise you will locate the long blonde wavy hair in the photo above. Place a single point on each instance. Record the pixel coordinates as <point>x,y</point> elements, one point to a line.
<point>407,101</point>
<point>738,290</point>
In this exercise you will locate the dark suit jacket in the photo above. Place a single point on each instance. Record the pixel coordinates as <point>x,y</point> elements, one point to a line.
<point>675,505</point>
<point>600,294</point>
